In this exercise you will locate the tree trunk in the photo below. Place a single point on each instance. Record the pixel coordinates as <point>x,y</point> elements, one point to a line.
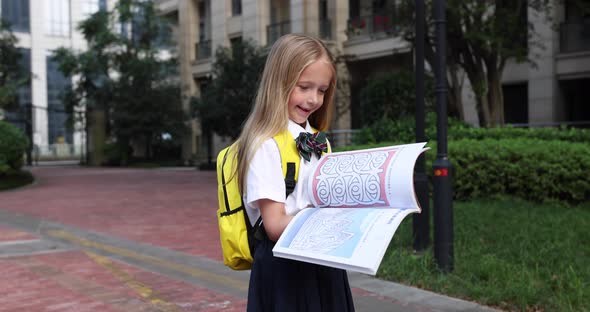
<point>495,98</point>
<point>485,110</point>
<point>148,145</point>
<point>97,136</point>
<point>479,85</point>
<point>123,145</point>
<point>454,95</point>
<point>454,99</point>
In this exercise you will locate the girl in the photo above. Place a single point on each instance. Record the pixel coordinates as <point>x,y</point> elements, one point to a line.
<point>296,93</point>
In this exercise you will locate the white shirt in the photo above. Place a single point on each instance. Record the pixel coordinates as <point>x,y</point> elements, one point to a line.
<point>265,178</point>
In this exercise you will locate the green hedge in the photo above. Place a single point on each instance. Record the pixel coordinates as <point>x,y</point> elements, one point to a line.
<point>548,134</point>
<point>403,130</point>
<point>13,144</point>
<point>532,169</point>
<point>537,170</point>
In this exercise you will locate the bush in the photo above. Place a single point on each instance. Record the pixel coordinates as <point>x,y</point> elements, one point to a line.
<point>116,154</point>
<point>508,132</point>
<point>532,169</point>
<point>13,144</point>
<point>403,130</point>
<point>13,179</point>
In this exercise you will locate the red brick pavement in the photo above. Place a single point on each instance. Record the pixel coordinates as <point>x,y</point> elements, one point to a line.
<point>8,234</point>
<point>76,281</point>
<point>171,209</point>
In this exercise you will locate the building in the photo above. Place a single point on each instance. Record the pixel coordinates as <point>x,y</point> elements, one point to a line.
<point>41,27</point>
<point>554,90</point>
<point>550,93</point>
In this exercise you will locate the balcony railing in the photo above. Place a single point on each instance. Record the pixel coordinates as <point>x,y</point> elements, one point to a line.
<point>325,29</point>
<point>371,26</point>
<point>276,30</point>
<point>574,37</point>
<point>203,50</point>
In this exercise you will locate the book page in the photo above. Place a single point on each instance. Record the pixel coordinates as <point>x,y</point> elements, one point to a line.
<point>370,178</point>
<point>351,239</point>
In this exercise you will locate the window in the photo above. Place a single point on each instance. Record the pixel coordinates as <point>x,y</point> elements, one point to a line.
<point>16,12</point>
<point>236,47</point>
<point>235,41</point>
<point>577,11</point>
<point>165,37</point>
<point>236,7</point>
<point>56,113</point>
<point>203,21</point>
<point>57,18</point>
<point>516,103</point>
<point>92,6</point>
<point>325,24</point>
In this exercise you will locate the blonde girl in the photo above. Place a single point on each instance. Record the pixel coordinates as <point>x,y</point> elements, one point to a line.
<point>296,94</point>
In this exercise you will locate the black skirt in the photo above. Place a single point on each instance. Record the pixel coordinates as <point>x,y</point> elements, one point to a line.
<point>284,285</point>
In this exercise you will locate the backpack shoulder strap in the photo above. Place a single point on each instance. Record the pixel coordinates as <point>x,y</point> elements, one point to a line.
<point>227,176</point>
<point>289,159</point>
<point>226,167</point>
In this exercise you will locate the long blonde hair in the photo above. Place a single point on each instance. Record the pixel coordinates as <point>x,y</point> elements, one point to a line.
<point>288,57</point>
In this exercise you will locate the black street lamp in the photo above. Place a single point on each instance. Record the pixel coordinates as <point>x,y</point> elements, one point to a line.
<point>443,192</point>
<point>420,222</point>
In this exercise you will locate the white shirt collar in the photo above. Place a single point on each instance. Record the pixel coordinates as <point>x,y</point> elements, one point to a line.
<point>295,128</point>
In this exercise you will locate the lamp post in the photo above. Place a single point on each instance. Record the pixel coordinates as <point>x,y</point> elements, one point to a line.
<point>443,193</point>
<point>420,222</point>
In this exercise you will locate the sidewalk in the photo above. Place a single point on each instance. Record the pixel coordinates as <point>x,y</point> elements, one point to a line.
<point>144,240</point>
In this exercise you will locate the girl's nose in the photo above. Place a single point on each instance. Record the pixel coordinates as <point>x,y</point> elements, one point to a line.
<point>313,98</point>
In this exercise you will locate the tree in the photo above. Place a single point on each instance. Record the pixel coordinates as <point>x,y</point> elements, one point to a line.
<point>123,73</point>
<point>481,37</point>
<point>391,96</point>
<point>12,73</point>
<point>226,102</point>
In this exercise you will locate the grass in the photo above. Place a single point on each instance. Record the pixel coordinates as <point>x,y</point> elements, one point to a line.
<point>508,253</point>
<point>14,179</point>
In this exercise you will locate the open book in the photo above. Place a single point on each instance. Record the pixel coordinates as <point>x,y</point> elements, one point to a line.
<point>361,198</point>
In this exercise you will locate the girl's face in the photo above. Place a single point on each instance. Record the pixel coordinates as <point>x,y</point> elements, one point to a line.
<point>308,94</point>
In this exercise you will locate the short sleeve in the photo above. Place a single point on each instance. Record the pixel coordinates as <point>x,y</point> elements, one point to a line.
<point>265,175</point>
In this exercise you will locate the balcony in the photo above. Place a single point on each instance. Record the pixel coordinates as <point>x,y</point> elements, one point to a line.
<point>574,37</point>
<point>376,25</point>
<point>276,30</point>
<point>203,50</point>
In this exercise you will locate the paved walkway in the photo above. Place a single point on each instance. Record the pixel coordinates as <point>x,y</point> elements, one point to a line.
<point>94,239</point>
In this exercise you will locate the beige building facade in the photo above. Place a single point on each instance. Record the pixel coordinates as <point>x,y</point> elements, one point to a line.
<point>41,27</point>
<point>365,36</point>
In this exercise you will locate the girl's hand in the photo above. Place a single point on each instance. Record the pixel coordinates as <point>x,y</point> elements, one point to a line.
<point>274,218</point>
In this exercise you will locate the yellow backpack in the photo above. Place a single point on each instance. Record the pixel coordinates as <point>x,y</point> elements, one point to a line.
<point>236,233</point>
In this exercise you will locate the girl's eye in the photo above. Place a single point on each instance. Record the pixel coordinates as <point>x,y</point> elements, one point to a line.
<point>322,91</point>
<point>304,87</point>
